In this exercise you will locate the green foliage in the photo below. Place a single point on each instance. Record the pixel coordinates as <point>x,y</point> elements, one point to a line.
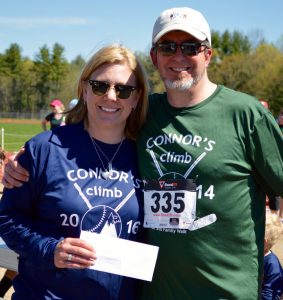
<point>50,70</point>
<point>155,83</point>
<point>275,93</point>
<point>229,44</point>
<point>12,79</point>
<point>231,72</point>
<point>254,73</point>
<point>28,86</point>
<point>12,60</point>
<point>243,63</point>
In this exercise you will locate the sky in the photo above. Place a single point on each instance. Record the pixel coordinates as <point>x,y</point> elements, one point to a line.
<point>84,26</point>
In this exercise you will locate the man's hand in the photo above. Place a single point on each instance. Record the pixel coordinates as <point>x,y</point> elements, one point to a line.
<point>14,173</point>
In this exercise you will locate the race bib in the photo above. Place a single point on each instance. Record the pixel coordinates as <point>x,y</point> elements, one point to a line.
<point>169,203</point>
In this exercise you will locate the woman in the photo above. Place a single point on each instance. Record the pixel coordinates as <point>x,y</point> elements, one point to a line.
<point>56,118</point>
<point>76,173</point>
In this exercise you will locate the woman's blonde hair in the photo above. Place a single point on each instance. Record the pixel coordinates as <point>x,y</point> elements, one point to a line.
<point>273,230</point>
<point>114,54</point>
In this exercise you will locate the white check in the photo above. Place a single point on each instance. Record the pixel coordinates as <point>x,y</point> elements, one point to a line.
<point>122,257</point>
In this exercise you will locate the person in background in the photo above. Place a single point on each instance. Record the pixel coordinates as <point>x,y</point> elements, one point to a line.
<point>264,103</point>
<point>73,187</point>
<point>272,284</point>
<point>56,117</point>
<point>6,282</point>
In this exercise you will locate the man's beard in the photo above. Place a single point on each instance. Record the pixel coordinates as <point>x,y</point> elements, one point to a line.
<point>182,85</point>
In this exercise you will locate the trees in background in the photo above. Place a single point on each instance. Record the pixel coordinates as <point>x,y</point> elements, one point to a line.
<point>29,85</point>
<point>50,69</point>
<point>256,71</point>
<point>239,62</point>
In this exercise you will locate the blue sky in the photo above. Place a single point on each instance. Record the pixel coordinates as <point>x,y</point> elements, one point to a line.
<point>83,26</point>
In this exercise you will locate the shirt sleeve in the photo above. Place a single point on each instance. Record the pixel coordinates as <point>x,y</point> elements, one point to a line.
<point>18,225</point>
<point>49,117</point>
<point>267,153</point>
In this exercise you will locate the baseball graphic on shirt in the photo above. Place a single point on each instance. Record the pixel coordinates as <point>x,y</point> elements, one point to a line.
<point>172,175</point>
<point>102,219</point>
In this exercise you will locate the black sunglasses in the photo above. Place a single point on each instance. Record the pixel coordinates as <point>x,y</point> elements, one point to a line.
<point>100,88</point>
<point>187,48</point>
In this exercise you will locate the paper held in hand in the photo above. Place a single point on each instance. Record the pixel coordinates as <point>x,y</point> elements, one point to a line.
<point>122,257</point>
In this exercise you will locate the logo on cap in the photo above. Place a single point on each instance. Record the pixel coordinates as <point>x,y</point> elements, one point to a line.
<point>177,15</point>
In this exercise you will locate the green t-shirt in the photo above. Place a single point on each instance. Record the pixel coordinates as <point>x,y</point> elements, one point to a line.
<point>231,146</point>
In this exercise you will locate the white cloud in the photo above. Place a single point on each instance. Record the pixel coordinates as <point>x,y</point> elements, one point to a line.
<point>24,23</point>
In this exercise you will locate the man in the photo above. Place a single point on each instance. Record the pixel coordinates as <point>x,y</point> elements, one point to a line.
<point>208,155</point>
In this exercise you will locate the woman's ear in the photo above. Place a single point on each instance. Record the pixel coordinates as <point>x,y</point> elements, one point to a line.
<point>84,93</point>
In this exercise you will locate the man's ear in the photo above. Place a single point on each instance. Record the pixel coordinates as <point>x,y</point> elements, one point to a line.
<point>153,56</point>
<point>208,55</point>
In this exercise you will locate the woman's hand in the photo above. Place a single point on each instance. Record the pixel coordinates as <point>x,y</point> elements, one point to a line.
<point>74,253</point>
<point>14,173</point>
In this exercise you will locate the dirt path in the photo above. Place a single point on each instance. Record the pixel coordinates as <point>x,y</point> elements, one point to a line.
<point>21,121</point>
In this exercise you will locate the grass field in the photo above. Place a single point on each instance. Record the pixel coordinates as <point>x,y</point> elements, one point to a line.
<point>17,132</point>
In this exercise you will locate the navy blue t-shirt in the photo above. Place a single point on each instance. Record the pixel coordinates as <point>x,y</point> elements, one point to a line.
<point>65,194</point>
<point>272,285</point>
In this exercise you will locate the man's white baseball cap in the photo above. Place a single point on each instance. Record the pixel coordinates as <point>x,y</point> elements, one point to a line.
<point>182,18</point>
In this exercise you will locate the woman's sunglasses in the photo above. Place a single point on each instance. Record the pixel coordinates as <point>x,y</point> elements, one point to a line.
<point>187,48</point>
<point>100,88</point>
